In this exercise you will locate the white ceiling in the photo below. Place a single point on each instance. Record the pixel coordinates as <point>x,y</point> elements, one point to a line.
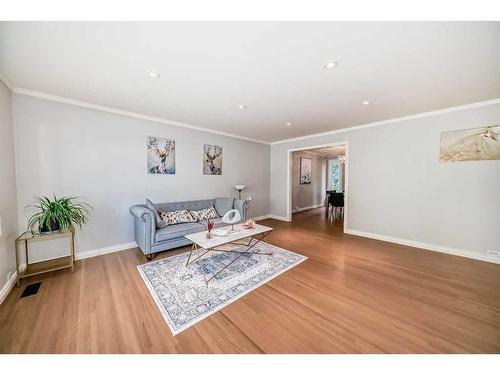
<point>276,69</point>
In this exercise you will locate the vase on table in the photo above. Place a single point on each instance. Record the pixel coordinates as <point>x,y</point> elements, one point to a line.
<point>210,225</point>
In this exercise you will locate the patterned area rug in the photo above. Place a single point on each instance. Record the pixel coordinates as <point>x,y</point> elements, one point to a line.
<point>182,295</point>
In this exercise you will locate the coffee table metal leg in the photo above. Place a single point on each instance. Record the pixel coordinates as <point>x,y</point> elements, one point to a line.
<point>189,257</point>
<point>240,254</point>
<point>201,265</point>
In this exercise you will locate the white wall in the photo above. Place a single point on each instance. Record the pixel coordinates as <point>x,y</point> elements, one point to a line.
<point>8,208</point>
<point>397,187</point>
<point>70,150</point>
<point>313,194</point>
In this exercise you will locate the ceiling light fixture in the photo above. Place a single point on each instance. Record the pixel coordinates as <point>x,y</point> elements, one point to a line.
<point>242,106</point>
<point>330,64</point>
<point>153,74</point>
<point>366,102</point>
<point>288,124</point>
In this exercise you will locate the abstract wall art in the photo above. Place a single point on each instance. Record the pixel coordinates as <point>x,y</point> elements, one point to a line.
<point>471,144</point>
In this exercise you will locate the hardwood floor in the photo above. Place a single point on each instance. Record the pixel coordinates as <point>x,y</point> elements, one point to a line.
<point>352,295</point>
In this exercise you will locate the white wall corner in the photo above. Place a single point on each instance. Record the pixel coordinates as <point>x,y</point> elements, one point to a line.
<point>78,256</point>
<point>6,82</point>
<point>4,292</point>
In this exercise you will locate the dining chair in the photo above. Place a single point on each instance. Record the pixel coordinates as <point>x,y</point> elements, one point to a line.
<point>336,201</point>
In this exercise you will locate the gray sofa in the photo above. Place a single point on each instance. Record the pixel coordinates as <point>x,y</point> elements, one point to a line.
<point>152,239</point>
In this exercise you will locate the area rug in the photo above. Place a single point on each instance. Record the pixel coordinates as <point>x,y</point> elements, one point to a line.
<point>183,296</point>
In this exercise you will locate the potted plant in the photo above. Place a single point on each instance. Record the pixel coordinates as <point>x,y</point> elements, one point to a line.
<point>58,214</point>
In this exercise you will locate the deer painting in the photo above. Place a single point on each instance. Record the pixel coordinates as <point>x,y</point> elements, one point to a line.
<point>161,155</point>
<point>212,159</point>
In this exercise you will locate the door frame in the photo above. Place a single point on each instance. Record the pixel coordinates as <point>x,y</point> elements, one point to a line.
<point>289,176</point>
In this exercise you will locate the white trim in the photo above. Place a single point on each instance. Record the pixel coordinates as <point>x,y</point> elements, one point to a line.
<point>105,250</point>
<point>289,177</point>
<point>6,82</point>
<point>274,217</point>
<point>258,218</point>
<point>394,120</point>
<point>78,256</point>
<point>121,112</point>
<point>426,246</point>
<point>141,116</point>
<point>308,208</point>
<point>281,218</point>
<point>4,292</point>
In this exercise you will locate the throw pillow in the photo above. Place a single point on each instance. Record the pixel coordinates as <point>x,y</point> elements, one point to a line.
<point>159,222</point>
<point>176,217</point>
<point>205,214</point>
<point>223,205</point>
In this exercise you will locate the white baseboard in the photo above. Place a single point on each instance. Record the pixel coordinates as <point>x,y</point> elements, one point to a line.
<point>308,208</point>
<point>258,218</point>
<point>276,217</point>
<point>79,255</point>
<point>426,246</point>
<point>105,250</point>
<point>4,292</point>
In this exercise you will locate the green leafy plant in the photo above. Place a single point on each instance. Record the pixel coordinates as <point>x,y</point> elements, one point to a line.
<point>58,214</point>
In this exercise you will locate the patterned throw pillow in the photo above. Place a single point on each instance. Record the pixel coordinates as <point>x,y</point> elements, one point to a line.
<point>205,214</point>
<point>176,217</point>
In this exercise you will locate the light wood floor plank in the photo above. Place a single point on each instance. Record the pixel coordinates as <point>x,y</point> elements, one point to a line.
<point>353,295</point>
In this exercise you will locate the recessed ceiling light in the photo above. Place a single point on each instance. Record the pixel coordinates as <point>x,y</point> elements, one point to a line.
<point>366,102</point>
<point>153,74</point>
<point>242,106</point>
<point>330,64</point>
<point>288,124</point>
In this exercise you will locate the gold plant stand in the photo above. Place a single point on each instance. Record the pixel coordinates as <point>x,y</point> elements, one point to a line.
<point>37,268</point>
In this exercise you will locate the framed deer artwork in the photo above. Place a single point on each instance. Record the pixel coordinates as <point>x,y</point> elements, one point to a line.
<point>161,155</point>
<point>212,160</point>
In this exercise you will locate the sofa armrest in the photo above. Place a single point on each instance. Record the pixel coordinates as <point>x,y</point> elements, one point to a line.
<point>242,206</point>
<point>144,227</point>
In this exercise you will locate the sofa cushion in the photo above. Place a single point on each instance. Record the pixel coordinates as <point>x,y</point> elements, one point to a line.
<point>207,213</point>
<point>186,205</point>
<point>159,222</point>
<point>223,205</point>
<point>177,231</point>
<point>176,217</point>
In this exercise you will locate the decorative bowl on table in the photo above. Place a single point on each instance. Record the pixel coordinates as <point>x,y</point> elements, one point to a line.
<point>221,232</point>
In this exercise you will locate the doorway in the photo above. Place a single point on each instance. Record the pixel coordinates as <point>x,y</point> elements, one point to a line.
<point>313,174</point>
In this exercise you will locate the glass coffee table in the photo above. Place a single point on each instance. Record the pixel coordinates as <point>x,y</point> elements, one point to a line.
<point>247,238</point>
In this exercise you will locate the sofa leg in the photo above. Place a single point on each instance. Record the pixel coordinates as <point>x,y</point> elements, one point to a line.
<point>149,257</point>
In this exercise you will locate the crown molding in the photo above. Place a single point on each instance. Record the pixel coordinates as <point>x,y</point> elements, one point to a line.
<point>102,108</point>
<point>6,82</point>
<point>394,120</point>
<point>60,99</point>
